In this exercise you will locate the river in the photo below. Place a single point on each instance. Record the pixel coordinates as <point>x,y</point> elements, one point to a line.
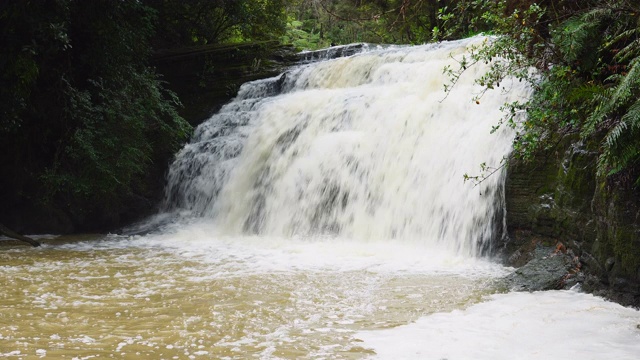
<point>319,215</point>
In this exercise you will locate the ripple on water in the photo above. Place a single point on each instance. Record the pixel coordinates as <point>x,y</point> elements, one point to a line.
<point>129,300</point>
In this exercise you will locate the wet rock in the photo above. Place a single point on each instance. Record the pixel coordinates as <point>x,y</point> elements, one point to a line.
<point>608,265</point>
<point>559,197</point>
<point>548,270</point>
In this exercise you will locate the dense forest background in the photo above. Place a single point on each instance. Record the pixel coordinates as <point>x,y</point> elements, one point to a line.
<point>88,126</point>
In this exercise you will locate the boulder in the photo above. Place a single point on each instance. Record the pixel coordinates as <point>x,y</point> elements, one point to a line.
<point>548,270</point>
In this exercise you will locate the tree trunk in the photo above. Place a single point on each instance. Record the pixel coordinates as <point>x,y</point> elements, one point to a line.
<point>14,235</point>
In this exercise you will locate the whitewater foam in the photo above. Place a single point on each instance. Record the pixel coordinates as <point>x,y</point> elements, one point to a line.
<point>367,147</point>
<point>523,326</point>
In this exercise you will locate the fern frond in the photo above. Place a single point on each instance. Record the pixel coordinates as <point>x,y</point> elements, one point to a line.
<point>632,117</point>
<point>624,157</point>
<point>621,145</point>
<point>611,162</point>
<point>628,86</point>
<point>623,35</point>
<point>587,92</point>
<point>600,112</point>
<point>602,165</point>
<point>597,14</point>
<point>630,51</point>
<point>614,134</point>
<point>617,98</point>
<point>614,78</point>
<point>574,39</point>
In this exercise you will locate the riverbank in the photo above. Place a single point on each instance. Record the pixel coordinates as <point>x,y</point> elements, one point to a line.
<point>557,201</point>
<point>203,78</point>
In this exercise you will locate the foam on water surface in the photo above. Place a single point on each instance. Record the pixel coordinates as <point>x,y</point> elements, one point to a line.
<point>318,209</point>
<point>195,296</point>
<point>524,326</point>
<point>179,295</point>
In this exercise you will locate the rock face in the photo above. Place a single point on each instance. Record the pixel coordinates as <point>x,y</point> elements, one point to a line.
<point>206,77</point>
<point>558,201</point>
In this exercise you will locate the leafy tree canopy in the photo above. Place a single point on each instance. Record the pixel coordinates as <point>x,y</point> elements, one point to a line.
<point>198,22</point>
<point>318,23</point>
<point>83,115</point>
<point>85,119</point>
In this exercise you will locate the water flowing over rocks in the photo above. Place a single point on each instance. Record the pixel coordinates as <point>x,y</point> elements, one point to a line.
<point>555,199</point>
<point>363,147</point>
<point>332,52</point>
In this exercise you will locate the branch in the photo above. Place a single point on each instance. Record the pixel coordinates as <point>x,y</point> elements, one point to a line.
<point>14,235</point>
<point>479,179</point>
<point>455,75</point>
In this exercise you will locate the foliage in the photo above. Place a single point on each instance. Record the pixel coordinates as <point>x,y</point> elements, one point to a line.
<point>382,21</point>
<point>86,116</point>
<point>600,47</point>
<point>586,81</point>
<point>198,22</point>
<point>86,122</point>
<point>301,37</point>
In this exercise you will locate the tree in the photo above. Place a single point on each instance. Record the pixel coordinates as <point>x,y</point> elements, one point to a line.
<point>587,57</point>
<point>198,22</point>
<point>86,116</point>
<point>384,21</point>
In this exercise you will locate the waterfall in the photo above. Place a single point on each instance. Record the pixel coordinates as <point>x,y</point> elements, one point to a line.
<point>361,147</point>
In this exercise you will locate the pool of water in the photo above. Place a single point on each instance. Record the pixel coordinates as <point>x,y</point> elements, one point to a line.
<point>187,295</point>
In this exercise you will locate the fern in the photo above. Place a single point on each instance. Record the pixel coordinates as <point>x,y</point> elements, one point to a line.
<point>574,40</point>
<point>617,99</point>
<point>602,47</point>
<point>621,145</point>
<point>614,134</point>
<point>629,84</point>
<point>633,115</point>
<point>628,51</point>
<point>597,14</point>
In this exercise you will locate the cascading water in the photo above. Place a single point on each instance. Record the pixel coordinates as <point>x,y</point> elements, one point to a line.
<point>363,147</point>
<point>325,217</point>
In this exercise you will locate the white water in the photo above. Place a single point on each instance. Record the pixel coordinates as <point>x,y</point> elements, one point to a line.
<point>188,294</point>
<point>368,147</point>
<point>327,220</point>
<point>523,326</point>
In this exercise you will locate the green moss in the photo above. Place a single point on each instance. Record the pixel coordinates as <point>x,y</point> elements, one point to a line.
<point>618,230</point>
<point>627,251</point>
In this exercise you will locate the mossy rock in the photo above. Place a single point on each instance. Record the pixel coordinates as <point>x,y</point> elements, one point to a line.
<point>618,239</point>
<point>549,197</point>
<point>557,198</point>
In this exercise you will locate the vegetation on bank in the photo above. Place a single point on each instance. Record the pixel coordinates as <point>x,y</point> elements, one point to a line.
<point>87,123</point>
<point>88,126</point>
<point>586,55</point>
<point>313,24</point>
<point>587,81</point>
